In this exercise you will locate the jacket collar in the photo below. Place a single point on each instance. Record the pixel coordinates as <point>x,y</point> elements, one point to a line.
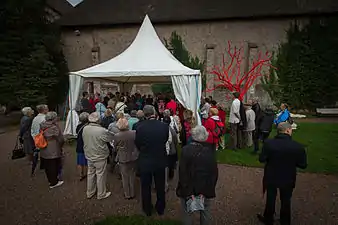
<point>95,124</point>
<point>283,136</point>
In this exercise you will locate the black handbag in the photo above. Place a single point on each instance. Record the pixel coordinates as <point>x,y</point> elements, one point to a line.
<point>18,151</point>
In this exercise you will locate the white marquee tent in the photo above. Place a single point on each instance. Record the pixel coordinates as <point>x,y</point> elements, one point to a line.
<point>146,60</point>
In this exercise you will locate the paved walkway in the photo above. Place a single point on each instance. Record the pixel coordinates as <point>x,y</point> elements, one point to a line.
<point>28,201</point>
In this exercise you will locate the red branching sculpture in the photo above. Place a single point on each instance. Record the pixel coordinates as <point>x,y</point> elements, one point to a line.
<point>230,76</point>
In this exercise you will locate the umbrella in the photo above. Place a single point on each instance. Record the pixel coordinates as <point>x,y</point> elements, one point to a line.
<point>35,160</point>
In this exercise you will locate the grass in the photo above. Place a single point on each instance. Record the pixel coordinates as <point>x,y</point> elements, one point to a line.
<point>321,144</point>
<point>135,220</point>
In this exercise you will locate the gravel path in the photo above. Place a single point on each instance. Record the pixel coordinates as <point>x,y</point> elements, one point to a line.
<point>28,201</point>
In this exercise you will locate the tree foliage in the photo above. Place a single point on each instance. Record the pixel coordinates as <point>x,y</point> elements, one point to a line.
<point>307,65</point>
<point>33,69</point>
<point>180,52</point>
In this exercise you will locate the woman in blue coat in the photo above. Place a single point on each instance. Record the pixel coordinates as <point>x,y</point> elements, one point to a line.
<point>283,115</point>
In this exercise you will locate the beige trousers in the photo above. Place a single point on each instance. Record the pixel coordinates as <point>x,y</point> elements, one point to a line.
<point>128,173</point>
<point>97,179</point>
<point>248,138</point>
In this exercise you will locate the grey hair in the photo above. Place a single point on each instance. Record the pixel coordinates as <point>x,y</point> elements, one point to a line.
<point>149,111</point>
<point>94,117</point>
<point>199,133</point>
<point>282,127</point>
<point>166,112</point>
<point>26,110</point>
<point>41,108</point>
<point>83,117</point>
<point>50,116</point>
<point>133,113</point>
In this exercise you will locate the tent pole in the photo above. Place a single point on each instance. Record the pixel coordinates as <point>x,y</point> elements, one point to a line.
<point>65,109</point>
<point>71,111</point>
<point>198,98</point>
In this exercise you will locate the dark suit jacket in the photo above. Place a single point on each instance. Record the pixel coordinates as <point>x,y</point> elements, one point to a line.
<point>151,137</point>
<point>258,112</point>
<point>282,156</point>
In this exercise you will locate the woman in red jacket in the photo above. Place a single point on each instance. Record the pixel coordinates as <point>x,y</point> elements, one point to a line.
<point>222,117</point>
<point>215,127</point>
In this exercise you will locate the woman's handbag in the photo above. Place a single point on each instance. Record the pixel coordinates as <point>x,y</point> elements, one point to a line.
<point>195,203</point>
<point>18,151</point>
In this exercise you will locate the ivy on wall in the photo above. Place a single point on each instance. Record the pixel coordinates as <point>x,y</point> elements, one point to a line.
<point>307,66</point>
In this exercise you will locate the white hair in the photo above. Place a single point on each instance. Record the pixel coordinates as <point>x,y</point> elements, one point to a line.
<point>83,117</point>
<point>41,108</point>
<point>50,116</point>
<point>26,110</point>
<point>199,133</point>
<point>94,117</point>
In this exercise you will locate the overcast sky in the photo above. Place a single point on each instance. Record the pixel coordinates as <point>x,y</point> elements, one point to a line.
<point>74,2</point>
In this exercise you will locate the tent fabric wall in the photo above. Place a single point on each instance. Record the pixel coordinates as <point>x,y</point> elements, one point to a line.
<point>75,84</point>
<point>188,91</point>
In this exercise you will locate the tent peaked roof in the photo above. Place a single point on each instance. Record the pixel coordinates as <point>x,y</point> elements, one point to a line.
<point>146,59</point>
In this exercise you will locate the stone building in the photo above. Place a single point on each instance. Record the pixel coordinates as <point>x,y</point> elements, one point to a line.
<point>97,30</point>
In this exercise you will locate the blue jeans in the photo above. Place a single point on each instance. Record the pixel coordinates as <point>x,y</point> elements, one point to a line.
<point>205,215</point>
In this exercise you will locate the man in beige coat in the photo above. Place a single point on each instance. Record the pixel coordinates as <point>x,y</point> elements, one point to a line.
<point>95,139</point>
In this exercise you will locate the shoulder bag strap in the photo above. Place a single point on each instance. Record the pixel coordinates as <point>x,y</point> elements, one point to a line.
<point>81,129</point>
<point>118,108</point>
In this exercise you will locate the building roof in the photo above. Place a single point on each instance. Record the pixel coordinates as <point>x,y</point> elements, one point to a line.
<point>60,6</point>
<point>121,12</point>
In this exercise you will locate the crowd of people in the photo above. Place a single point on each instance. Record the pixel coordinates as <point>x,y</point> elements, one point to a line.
<point>140,136</point>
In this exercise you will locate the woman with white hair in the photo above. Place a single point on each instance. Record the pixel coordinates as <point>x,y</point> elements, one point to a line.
<point>127,155</point>
<point>25,132</point>
<point>81,159</point>
<point>51,156</point>
<point>198,174</point>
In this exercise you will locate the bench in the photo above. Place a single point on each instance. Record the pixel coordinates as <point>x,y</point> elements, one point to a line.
<point>327,111</point>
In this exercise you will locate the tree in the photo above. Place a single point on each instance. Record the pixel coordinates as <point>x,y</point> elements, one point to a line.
<point>307,65</point>
<point>32,66</point>
<point>230,75</point>
<point>181,53</point>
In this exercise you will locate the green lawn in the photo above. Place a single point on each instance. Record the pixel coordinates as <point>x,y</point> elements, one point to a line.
<point>320,139</point>
<point>135,220</point>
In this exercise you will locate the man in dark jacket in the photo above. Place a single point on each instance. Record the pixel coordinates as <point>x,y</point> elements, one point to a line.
<point>85,104</point>
<point>258,116</point>
<point>264,126</point>
<point>281,156</point>
<point>151,138</point>
<point>242,126</point>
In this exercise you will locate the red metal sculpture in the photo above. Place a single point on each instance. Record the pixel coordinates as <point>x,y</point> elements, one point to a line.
<point>230,74</point>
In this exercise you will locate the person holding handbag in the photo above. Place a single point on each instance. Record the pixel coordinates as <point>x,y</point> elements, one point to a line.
<point>25,136</point>
<point>51,155</point>
<point>198,174</point>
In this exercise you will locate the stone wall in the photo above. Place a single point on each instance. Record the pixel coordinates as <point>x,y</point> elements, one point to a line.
<point>205,40</point>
